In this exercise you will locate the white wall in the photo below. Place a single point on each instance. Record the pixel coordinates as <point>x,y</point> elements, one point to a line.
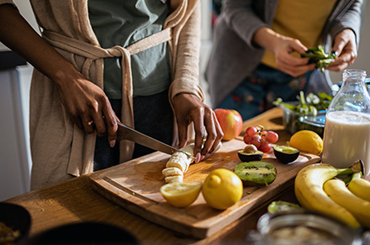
<point>15,156</point>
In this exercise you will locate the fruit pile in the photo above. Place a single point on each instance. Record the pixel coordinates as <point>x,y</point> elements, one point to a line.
<point>317,188</point>
<point>260,138</point>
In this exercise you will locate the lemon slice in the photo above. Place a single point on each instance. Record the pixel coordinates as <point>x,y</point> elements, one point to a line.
<point>181,194</point>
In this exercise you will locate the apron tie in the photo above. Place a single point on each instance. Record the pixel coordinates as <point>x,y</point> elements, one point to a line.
<point>93,52</point>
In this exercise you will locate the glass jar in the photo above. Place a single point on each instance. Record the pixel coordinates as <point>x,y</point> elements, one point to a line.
<point>347,123</point>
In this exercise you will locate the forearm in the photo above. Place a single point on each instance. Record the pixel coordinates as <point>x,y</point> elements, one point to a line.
<point>351,19</point>
<point>242,17</point>
<point>186,77</point>
<point>19,36</point>
<point>266,38</point>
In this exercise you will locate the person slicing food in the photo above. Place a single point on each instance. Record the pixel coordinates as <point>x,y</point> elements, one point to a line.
<point>100,62</point>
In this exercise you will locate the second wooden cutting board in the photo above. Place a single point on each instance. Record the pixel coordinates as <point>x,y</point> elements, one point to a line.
<point>135,185</point>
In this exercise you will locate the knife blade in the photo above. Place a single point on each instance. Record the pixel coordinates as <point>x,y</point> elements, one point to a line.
<point>127,133</point>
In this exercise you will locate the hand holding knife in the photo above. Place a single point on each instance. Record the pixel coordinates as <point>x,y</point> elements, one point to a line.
<point>127,133</point>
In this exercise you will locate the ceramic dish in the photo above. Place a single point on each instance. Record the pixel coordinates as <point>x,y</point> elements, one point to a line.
<point>16,218</point>
<point>96,233</point>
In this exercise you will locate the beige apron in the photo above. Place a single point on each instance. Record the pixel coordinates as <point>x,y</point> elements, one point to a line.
<point>93,52</point>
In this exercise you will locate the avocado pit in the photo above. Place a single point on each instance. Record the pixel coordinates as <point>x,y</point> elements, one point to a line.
<point>250,153</point>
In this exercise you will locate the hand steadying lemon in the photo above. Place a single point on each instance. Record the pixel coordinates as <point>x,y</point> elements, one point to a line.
<point>307,141</point>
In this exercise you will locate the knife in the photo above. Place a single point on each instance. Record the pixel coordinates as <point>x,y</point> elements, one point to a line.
<point>127,133</point>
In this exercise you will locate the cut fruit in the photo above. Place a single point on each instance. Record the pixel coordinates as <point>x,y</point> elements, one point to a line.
<point>174,178</point>
<point>247,157</point>
<point>256,173</point>
<point>181,194</point>
<point>172,171</point>
<point>286,154</point>
<point>282,206</point>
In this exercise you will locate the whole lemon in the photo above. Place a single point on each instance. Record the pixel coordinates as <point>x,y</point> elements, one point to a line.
<point>307,141</point>
<point>222,188</point>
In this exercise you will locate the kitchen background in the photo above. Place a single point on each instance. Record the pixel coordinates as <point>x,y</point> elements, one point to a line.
<point>15,157</point>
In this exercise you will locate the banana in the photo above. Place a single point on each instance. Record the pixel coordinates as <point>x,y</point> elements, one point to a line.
<point>336,189</point>
<point>173,178</point>
<point>180,159</point>
<point>309,191</point>
<point>360,187</point>
<point>172,171</point>
<point>179,163</point>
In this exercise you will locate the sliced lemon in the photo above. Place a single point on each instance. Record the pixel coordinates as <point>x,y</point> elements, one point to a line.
<point>307,141</point>
<point>181,194</point>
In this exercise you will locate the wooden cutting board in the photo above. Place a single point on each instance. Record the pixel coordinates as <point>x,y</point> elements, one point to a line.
<point>135,185</point>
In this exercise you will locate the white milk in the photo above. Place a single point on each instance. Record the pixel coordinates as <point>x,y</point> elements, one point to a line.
<point>347,139</point>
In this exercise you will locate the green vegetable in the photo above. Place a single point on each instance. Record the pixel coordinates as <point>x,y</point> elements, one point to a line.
<point>309,105</point>
<point>317,55</point>
<point>304,107</point>
<point>281,206</point>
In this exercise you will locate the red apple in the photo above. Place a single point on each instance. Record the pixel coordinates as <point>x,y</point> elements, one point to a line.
<point>230,121</point>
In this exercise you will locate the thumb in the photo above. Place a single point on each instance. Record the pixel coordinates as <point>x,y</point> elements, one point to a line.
<point>298,46</point>
<point>337,48</point>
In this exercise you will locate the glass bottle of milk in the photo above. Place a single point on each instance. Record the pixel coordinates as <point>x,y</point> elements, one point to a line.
<point>347,123</point>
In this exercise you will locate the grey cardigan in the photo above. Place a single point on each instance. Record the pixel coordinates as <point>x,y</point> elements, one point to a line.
<point>234,55</point>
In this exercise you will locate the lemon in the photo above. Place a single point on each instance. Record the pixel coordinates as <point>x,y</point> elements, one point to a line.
<point>307,141</point>
<point>181,194</point>
<point>222,189</point>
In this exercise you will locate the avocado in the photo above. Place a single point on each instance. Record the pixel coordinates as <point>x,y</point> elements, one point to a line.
<point>286,154</point>
<point>247,157</point>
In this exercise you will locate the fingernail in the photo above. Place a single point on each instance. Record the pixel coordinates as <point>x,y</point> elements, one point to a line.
<point>112,143</point>
<point>197,157</point>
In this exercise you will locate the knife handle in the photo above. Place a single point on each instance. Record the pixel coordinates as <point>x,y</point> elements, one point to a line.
<point>122,131</point>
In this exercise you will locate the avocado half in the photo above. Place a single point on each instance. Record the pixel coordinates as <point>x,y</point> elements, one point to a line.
<point>248,157</point>
<point>286,154</point>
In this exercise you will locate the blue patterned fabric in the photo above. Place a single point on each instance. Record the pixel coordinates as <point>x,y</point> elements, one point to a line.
<point>263,86</point>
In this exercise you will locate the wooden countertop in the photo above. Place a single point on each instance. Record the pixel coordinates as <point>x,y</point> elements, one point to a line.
<point>76,201</point>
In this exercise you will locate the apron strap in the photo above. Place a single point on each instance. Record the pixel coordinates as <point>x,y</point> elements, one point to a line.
<point>93,52</point>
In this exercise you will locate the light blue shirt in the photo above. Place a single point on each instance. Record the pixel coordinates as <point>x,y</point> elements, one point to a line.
<point>124,22</point>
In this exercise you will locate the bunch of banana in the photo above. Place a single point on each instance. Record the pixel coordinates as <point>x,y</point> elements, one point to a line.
<point>337,190</point>
<point>360,187</point>
<point>178,164</point>
<point>309,190</point>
